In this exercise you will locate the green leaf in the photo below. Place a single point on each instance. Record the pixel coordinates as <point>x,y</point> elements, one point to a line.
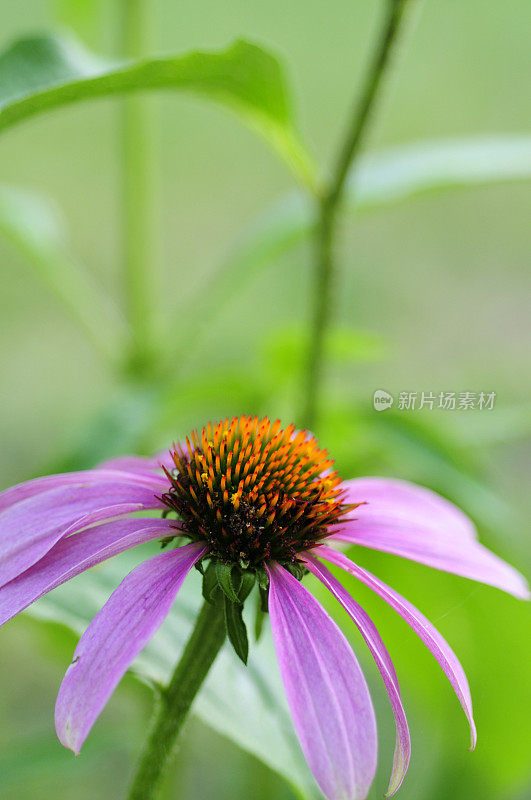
<point>248,579</point>
<point>45,72</point>
<point>259,617</point>
<point>264,599</point>
<point>379,179</point>
<point>34,227</point>
<point>235,583</point>
<point>246,705</point>
<point>410,170</point>
<point>210,583</point>
<point>236,630</point>
<point>225,581</point>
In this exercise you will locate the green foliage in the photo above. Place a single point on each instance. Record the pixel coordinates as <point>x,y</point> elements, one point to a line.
<point>210,583</point>
<point>260,615</point>
<point>36,230</point>
<point>394,175</point>
<point>228,585</point>
<point>236,629</point>
<point>122,425</point>
<point>284,350</point>
<point>379,179</point>
<point>46,72</point>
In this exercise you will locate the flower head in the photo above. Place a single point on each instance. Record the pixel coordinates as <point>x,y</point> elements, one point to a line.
<point>245,495</point>
<point>254,492</point>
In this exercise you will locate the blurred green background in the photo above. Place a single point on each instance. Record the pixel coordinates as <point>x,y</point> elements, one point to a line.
<point>443,280</point>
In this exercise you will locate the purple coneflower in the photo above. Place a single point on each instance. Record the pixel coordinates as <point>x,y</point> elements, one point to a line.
<point>244,497</point>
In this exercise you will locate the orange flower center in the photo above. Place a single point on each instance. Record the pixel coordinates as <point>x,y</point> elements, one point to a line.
<point>254,491</point>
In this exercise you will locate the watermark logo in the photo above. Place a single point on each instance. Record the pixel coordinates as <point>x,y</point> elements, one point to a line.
<point>382,400</point>
<point>445,401</point>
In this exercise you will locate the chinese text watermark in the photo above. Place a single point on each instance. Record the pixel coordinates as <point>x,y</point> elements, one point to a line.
<point>445,401</point>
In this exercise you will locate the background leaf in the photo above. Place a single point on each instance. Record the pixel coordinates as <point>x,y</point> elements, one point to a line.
<point>380,179</point>
<point>41,73</point>
<point>34,226</point>
<point>410,170</point>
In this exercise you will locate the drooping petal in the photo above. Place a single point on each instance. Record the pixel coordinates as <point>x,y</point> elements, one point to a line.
<point>412,504</point>
<point>88,477</point>
<point>327,693</point>
<point>31,527</point>
<point>431,637</point>
<point>116,635</point>
<point>74,555</point>
<point>384,663</point>
<point>415,523</point>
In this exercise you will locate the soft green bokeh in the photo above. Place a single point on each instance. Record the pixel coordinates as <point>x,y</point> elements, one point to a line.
<point>437,286</point>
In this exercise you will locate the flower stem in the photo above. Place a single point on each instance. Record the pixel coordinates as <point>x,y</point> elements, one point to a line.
<point>329,203</point>
<point>198,656</point>
<point>136,141</point>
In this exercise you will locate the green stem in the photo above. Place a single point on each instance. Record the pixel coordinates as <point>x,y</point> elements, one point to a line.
<point>329,204</point>
<point>199,655</point>
<point>137,192</point>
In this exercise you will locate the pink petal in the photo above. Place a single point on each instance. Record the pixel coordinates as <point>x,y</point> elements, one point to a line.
<point>327,694</point>
<point>384,663</point>
<point>142,464</point>
<point>415,523</point>
<point>31,527</point>
<point>401,500</point>
<point>116,635</point>
<point>431,637</point>
<point>74,555</point>
<point>30,488</point>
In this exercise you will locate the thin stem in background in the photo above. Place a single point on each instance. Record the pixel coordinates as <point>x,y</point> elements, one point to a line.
<point>138,212</point>
<point>329,203</point>
<point>198,656</point>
